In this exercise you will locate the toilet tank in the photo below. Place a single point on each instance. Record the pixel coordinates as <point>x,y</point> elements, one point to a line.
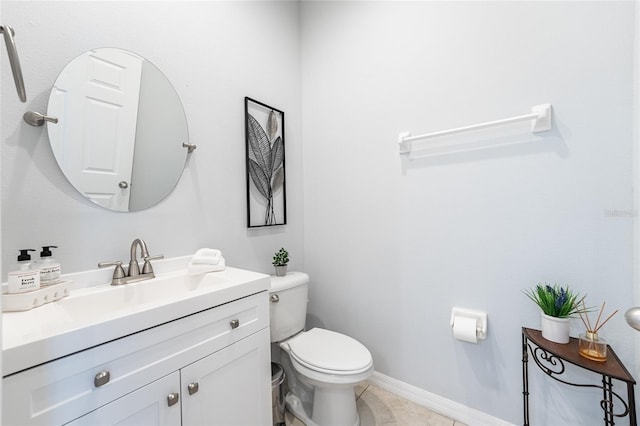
<point>288,306</point>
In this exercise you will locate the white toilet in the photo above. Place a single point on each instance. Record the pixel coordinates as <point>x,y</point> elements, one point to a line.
<point>324,366</point>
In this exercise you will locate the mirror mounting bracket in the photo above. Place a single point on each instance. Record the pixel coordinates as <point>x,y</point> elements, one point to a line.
<point>36,119</point>
<point>190,147</point>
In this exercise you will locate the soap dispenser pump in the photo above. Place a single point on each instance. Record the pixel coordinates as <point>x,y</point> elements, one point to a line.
<point>49,267</point>
<point>26,277</point>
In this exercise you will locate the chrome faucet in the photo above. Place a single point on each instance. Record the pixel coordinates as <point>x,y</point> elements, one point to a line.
<point>134,269</point>
<point>133,274</point>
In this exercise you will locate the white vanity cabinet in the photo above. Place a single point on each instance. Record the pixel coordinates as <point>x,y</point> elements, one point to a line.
<point>145,406</point>
<point>229,385</point>
<point>208,368</point>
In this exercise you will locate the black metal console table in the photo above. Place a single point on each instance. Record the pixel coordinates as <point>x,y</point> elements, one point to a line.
<point>550,357</point>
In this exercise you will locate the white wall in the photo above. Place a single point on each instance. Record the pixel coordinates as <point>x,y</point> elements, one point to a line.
<point>392,245</point>
<point>215,54</point>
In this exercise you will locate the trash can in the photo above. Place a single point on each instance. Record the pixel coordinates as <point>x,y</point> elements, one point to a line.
<point>277,394</point>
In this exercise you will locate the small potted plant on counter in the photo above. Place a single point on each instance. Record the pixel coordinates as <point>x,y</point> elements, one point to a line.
<point>557,304</point>
<point>280,260</point>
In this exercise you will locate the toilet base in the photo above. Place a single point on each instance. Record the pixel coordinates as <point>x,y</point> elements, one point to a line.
<point>329,408</point>
<point>294,406</point>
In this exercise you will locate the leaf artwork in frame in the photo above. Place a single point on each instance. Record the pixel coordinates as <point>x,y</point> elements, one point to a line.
<point>266,183</point>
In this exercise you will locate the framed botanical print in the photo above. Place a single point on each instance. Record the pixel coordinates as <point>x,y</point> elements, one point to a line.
<point>266,183</point>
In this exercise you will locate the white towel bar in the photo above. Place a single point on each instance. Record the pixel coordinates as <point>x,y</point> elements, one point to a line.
<point>541,114</point>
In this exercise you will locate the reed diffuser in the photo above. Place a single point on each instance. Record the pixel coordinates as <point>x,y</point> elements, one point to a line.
<point>590,345</point>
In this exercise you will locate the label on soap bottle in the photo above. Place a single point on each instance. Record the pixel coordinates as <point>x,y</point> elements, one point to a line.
<point>23,281</point>
<point>49,274</point>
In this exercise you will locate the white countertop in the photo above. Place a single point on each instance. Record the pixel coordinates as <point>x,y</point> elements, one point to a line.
<point>95,314</point>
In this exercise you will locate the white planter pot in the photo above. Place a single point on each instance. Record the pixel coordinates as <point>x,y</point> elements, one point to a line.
<point>281,270</point>
<point>555,329</point>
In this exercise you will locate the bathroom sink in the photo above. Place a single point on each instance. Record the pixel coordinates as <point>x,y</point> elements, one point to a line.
<point>91,303</point>
<point>96,314</point>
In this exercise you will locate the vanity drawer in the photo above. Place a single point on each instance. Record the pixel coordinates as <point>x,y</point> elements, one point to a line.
<point>64,389</point>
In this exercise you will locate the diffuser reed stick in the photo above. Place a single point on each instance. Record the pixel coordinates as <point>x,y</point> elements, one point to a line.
<point>587,322</point>
<point>600,314</point>
<point>584,311</point>
<point>583,320</point>
<point>605,321</point>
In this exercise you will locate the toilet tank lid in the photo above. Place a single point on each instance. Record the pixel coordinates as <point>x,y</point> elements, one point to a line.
<point>292,279</point>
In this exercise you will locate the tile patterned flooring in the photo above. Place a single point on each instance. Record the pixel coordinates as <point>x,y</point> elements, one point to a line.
<point>378,407</point>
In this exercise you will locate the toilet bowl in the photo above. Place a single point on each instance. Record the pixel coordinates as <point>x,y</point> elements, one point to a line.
<point>333,364</point>
<point>330,363</point>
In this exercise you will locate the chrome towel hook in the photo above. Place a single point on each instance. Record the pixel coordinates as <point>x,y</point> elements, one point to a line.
<point>8,33</point>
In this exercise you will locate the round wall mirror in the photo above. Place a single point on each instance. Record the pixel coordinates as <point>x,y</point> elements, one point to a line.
<point>120,131</point>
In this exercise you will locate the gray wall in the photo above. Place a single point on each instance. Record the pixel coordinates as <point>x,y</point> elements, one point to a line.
<point>215,54</point>
<point>392,245</point>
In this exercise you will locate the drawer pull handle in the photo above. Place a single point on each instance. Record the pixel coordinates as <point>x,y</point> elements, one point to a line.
<point>192,388</point>
<point>274,298</point>
<point>173,399</point>
<point>234,323</point>
<point>101,379</point>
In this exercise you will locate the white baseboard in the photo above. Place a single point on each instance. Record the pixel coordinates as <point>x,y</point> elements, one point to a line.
<point>436,403</point>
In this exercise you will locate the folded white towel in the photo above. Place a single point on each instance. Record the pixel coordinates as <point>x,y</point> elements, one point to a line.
<point>206,256</point>
<point>200,268</point>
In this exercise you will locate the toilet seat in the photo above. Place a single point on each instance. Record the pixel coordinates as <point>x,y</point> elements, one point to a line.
<point>328,352</point>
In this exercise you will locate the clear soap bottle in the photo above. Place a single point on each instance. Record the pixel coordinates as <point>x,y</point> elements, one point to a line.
<point>26,277</point>
<point>49,267</point>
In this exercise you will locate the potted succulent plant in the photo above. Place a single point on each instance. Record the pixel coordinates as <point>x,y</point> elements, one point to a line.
<point>557,304</point>
<point>280,260</point>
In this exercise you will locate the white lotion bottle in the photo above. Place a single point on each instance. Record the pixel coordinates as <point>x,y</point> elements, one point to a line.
<point>26,277</point>
<point>49,267</point>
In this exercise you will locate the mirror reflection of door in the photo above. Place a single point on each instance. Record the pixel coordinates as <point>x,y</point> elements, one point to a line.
<point>102,94</point>
<point>97,98</point>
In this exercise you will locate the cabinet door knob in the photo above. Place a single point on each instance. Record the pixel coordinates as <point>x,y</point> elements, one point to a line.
<point>234,323</point>
<point>274,298</point>
<point>192,388</point>
<point>101,379</point>
<point>173,398</point>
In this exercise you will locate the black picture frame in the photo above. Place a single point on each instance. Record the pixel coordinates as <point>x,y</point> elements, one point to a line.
<point>265,165</point>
